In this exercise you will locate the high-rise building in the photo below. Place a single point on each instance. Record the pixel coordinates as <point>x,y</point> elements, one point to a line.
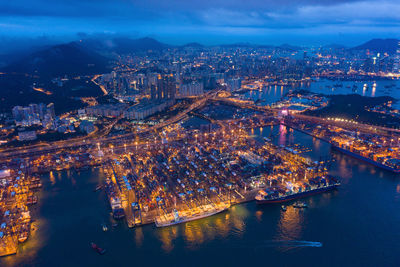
<point>191,89</point>
<point>234,84</point>
<point>153,91</point>
<point>51,111</point>
<point>42,110</point>
<point>166,87</point>
<point>18,114</point>
<point>33,114</point>
<point>396,65</point>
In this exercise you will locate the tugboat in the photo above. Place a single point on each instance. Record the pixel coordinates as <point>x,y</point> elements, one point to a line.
<point>300,205</point>
<point>105,228</point>
<point>98,249</point>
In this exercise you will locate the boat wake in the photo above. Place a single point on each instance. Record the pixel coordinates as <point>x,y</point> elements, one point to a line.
<point>292,243</point>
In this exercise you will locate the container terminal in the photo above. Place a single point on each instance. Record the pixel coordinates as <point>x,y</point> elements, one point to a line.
<point>364,143</point>
<point>17,196</point>
<point>178,181</point>
<point>165,177</point>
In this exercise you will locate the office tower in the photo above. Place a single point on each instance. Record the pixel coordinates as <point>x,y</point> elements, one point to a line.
<point>51,111</point>
<point>153,92</point>
<point>234,84</point>
<point>396,65</point>
<point>17,112</point>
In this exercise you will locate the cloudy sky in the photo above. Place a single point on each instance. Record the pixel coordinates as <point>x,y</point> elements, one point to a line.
<point>207,21</point>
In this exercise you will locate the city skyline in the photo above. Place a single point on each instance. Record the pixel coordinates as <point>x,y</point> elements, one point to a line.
<point>199,133</point>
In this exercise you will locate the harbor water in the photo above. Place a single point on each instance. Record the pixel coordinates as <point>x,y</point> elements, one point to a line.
<point>271,94</point>
<point>357,225</point>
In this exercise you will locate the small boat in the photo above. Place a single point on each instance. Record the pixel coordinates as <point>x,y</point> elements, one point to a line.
<point>105,228</point>
<point>283,208</point>
<point>300,205</point>
<point>98,249</point>
<point>98,188</point>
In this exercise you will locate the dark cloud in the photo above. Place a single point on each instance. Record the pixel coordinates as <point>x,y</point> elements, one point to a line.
<point>206,17</point>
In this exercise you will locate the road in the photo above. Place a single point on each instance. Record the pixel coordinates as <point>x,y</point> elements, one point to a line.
<point>366,128</point>
<point>201,101</point>
<point>93,140</point>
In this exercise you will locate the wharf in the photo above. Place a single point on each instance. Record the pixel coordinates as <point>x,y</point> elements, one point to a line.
<point>129,216</point>
<point>348,152</point>
<point>8,246</point>
<point>149,217</point>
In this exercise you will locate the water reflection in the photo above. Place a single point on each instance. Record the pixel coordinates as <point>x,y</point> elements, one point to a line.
<point>290,224</point>
<point>259,214</point>
<point>282,134</point>
<point>167,235</point>
<point>139,236</point>
<point>52,178</point>
<point>29,250</point>
<point>205,230</point>
<point>380,88</point>
<point>316,143</point>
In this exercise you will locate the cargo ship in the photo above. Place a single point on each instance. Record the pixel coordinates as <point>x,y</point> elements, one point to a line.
<point>283,194</point>
<point>395,167</point>
<point>114,199</point>
<point>176,217</point>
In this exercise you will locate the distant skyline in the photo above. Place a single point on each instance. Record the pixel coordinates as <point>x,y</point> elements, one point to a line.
<point>209,22</point>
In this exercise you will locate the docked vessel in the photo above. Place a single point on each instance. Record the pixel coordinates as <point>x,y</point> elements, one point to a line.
<point>393,167</point>
<point>35,185</point>
<point>283,194</point>
<point>114,199</point>
<point>31,200</point>
<point>176,217</point>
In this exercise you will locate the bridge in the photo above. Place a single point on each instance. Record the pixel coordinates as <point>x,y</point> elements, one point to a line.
<point>100,137</point>
<point>52,147</point>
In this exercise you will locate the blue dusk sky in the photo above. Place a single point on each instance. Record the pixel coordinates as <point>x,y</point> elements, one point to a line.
<point>301,22</point>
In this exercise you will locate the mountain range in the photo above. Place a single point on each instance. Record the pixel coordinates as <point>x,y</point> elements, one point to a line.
<point>58,60</point>
<point>380,46</point>
<point>92,55</point>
